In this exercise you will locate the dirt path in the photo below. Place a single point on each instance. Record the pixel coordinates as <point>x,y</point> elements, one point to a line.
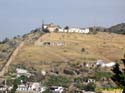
<point>38,42</point>
<point>12,57</point>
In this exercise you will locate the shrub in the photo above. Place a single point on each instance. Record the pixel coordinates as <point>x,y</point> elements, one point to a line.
<point>89,87</point>
<point>57,81</point>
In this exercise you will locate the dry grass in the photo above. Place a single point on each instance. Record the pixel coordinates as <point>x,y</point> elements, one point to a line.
<point>109,47</point>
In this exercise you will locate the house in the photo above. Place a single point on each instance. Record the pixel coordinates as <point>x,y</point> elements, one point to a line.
<point>21,72</point>
<point>74,30</point>
<point>31,87</point>
<point>110,64</point>
<point>51,27</point>
<point>86,31</point>
<point>5,88</point>
<point>55,28</point>
<point>77,30</point>
<point>60,30</point>
<point>43,72</point>
<point>56,89</point>
<point>102,64</point>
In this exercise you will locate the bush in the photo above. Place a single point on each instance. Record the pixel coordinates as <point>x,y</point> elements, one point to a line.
<point>83,50</point>
<point>57,81</point>
<point>90,87</point>
<point>100,75</point>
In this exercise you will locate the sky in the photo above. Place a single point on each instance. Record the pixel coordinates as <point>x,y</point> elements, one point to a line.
<point>18,17</point>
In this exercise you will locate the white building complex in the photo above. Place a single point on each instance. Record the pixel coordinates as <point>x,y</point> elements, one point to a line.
<point>55,28</point>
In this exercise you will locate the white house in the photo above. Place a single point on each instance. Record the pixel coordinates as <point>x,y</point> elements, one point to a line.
<point>71,30</point>
<point>57,89</point>
<point>55,28</point>
<point>43,72</point>
<point>21,72</point>
<point>110,64</point>
<point>60,30</point>
<point>32,87</point>
<point>77,30</point>
<point>102,64</point>
<point>35,86</point>
<point>50,27</point>
<point>86,30</point>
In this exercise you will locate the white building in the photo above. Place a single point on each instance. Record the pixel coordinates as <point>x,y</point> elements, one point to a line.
<point>61,30</point>
<point>55,28</point>
<point>21,72</point>
<point>51,27</point>
<point>110,64</point>
<point>33,87</point>
<point>102,64</point>
<point>57,89</point>
<point>77,30</point>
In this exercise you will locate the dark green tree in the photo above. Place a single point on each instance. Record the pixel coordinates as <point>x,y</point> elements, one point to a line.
<point>17,82</point>
<point>119,75</point>
<point>15,85</point>
<point>82,50</point>
<point>67,27</point>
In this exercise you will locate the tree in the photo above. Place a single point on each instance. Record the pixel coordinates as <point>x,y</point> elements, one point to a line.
<point>15,85</point>
<point>119,75</point>
<point>83,50</point>
<point>17,82</point>
<point>67,27</point>
<point>90,87</point>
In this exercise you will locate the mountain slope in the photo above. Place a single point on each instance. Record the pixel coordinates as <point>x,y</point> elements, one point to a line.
<point>119,29</point>
<point>108,47</point>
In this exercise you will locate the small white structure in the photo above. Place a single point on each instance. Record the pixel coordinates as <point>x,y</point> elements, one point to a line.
<point>86,31</point>
<point>91,81</point>
<point>102,64</point>
<point>77,30</point>
<point>57,89</point>
<point>50,27</point>
<point>43,72</point>
<point>55,28</point>
<point>110,64</point>
<point>35,86</point>
<point>21,72</point>
<point>61,30</point>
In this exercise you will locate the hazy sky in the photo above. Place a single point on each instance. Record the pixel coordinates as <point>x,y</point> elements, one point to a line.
<point>21,16</point>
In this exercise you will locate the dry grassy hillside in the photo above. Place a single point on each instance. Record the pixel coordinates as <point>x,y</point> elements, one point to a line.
<point>108,47</point>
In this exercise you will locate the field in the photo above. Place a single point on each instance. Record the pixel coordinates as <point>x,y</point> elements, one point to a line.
<point>76,48</point>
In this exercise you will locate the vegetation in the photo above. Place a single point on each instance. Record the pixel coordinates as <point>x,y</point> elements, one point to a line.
<point>90,87</point>
<point>100,75</point>
<point>119,75</point>
<point>119,29</point>
<point>57,81</point>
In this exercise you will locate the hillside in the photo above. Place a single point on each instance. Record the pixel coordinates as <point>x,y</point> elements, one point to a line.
<point>7,46</point>
<point>77,48</point>
<point>71,55</point>
<point>119,28</point>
